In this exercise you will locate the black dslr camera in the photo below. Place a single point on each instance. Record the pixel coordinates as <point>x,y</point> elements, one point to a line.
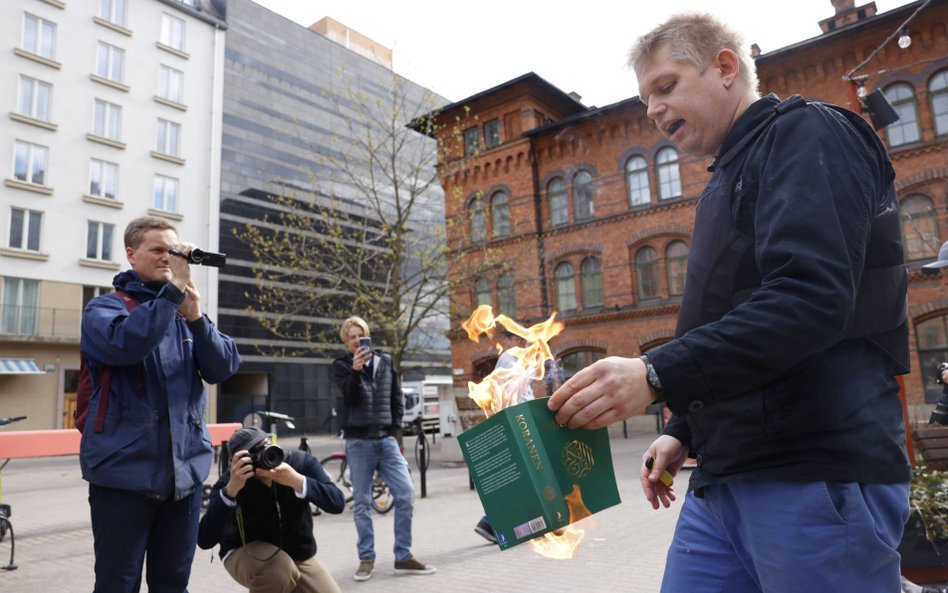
<point>266,456</point>
<point>202,258</point>
<point>940,415</point>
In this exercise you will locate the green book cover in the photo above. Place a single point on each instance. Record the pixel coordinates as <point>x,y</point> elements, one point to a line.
<point>523,465</point>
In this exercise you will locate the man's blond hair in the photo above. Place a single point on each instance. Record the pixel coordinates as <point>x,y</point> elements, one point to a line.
<point>356,321</point>
<point>696,39</point>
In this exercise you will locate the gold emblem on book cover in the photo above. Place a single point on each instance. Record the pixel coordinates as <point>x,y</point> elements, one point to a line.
<point>578,459</point>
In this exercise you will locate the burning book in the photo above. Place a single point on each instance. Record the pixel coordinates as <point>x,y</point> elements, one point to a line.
<point>533,476</point>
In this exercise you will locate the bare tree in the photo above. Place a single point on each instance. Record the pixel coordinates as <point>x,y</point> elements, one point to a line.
<point>365,237</point>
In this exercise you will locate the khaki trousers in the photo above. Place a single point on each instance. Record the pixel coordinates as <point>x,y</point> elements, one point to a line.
<point>263,568</point>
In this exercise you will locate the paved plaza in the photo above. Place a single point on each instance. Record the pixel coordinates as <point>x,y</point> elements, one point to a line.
<point>624,551</point>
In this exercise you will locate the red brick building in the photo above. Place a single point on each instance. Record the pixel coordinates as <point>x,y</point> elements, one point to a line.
<point>555,206</point>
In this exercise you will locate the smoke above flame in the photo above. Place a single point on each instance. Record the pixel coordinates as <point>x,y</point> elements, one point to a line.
<point>501,387</point>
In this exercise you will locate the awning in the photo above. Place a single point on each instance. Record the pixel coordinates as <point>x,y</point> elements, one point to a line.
<point>19,366</point>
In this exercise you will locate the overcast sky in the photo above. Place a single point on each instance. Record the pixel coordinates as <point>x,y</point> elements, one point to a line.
<point>458,49</point>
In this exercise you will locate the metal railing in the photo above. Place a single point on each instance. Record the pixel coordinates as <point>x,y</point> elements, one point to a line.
<point>39,322</point>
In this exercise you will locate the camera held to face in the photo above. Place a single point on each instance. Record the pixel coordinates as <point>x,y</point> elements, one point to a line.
<point>266,456</point>
<point>940,415</point>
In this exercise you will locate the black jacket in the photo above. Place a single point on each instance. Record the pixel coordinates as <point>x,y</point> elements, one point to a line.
<point>792,325</point>
<point>372,403</point>
<point>272,513</point>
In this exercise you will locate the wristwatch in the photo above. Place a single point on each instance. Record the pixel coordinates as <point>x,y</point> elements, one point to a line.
<point>651,376</point>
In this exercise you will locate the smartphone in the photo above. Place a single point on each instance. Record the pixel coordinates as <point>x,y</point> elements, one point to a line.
<point>365,343</point>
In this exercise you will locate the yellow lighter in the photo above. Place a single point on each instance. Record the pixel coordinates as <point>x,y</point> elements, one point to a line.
<point>666,477</point>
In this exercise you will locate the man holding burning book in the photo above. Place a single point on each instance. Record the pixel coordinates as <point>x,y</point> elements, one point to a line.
<point>791,331</point>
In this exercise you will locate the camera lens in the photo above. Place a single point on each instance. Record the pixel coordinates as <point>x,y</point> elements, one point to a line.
<point>197,256</point>
<point>267,457</point>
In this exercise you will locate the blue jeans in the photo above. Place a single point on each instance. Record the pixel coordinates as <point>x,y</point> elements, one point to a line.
<point>753,536</point>
<point>128,527</point>
<point>366,456</point>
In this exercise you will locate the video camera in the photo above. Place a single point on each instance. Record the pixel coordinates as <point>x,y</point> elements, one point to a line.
<point>202,258</point>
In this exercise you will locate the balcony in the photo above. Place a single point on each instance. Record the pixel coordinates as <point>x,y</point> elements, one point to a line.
<point>20,323</point>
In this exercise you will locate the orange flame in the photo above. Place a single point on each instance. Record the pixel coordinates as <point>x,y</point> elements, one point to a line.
<point>501,388</point>
<point>562,543</point>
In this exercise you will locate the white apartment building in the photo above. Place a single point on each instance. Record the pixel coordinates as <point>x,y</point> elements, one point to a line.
<point>109,110</point>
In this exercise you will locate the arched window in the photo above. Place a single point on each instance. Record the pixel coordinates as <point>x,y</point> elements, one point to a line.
<point>506,297</point>
<point>646,272</point>
<point>482,294</point>
<point>565,287</point>
<point>583,195</point>
<point>902,97</point>
<point>576,361</point>
<point>920,237</point>
<point>636,178</point>
<point>500,214</point>
<point>556,194</point>
<point>669,177</point>
<point>591,273</point>
<point>938,95</point>
<point>932,339</point>
<point>475,211</point>
<point>676,263</point>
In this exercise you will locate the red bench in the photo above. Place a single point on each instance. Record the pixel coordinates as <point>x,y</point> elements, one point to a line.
<point>44,443</point>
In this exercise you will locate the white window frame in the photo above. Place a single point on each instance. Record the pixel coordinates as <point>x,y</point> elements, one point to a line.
<point>30,99</point>
<point>107,120</point>
<point>172,31</point>
<point>96,230</point>
<point>170,79</point>
<point>27,229</point>
<point>168,137</point>
<point>165,193</point>
<point>668,169</point>
<point>110,62</point>
<point>104,175</point>
<point>20,310</point>
<point>43,33</point>
<point>30,174</point>
<point>114,11</point>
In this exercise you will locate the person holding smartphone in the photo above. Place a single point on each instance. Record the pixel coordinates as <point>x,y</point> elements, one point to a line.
<point>372,412</point>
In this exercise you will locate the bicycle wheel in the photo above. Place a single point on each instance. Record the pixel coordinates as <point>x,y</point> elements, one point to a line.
<point>382,499</point>
<point>338,469</point>
<point>7,528</point>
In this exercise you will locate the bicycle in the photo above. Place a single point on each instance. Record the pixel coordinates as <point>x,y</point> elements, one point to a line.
<point>337,466</point>
<point>6,525</point>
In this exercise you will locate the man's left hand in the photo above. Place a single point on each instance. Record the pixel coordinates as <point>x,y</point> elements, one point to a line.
<point>607,391</point>
<point>191,305</point>
<point>284,474</point>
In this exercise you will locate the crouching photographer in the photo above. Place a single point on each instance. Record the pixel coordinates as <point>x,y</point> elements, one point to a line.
<point>259,514</point>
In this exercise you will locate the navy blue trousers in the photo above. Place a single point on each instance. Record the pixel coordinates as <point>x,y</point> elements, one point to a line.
<point>129,528</point>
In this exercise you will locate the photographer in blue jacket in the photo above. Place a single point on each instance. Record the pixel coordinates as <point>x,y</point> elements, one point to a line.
<point>147,462</point>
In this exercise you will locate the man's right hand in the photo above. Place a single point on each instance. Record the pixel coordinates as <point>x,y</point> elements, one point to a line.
<point>241,470</point>
<point>361,358</point>
<point>180,268</point>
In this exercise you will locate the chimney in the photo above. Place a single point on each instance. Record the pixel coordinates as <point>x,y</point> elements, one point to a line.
<point>847,13</point>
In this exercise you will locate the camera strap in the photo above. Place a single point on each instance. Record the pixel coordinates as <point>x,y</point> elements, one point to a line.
<point>243,534</point>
